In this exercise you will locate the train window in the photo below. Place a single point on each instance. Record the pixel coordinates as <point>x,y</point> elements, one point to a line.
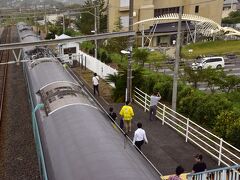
<point>70,50</point>
<point>50,92</point>
<point>59,94</point>
<point>63,88</point>
<point>50,100</point>
<point>66,93</point>
<point>35,63</point>
<point>33,35</point>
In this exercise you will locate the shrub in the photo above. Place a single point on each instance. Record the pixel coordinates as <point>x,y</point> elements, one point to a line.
<point>164,86</point>
<point>202,108</point>
<point>120,81</point>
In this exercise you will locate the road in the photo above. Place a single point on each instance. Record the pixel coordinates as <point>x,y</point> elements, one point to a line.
<point>231,68</point>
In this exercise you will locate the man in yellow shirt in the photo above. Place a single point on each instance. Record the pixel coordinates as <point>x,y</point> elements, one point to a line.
<point>127,115</point>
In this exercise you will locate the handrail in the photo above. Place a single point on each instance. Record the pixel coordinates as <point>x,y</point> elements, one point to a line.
<point>224,152</point>
<point>221,173</point>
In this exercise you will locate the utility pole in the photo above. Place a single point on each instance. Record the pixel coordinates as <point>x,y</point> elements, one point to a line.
<point>95,27</point>
<point>130,40</point>
<point>45,19</point>
<point>63,23</point>
<point>232,5</point>
<point>175,77</point>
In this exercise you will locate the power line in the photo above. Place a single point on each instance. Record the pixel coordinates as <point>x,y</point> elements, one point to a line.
<point>49,11</point>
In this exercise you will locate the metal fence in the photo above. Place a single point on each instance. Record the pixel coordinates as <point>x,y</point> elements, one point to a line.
<point>227,173</point>
<point>224,152</point>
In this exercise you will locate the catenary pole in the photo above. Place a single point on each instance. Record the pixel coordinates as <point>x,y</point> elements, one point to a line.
<point>95,26</point>
<point>176,65</point>
<point>130,40</point>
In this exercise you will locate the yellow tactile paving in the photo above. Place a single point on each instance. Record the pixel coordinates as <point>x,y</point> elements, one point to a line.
<point>182,176</point>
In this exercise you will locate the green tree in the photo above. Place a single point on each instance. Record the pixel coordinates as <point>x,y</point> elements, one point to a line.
<point>116,44</point>
<point>213,78</point>
<point>228,126</point>
<point>156,58</point>
<point>203,108</point>
<point>120,82</point>
<point>85,21</point>
<point>233,18</point>
<point>150,80</point>
<point>140,55</point>
<point>164,86</point>
<point>87,46</point>
<point>192,76</point>
<point>228,83</point>
<point>54,30</point>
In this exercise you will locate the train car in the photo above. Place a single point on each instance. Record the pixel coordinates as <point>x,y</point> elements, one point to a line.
<point>77,138</point>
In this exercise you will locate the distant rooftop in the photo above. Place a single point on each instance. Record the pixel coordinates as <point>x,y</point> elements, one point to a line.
<point>170,27</point>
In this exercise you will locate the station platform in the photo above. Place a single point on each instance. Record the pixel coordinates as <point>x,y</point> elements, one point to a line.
<point>166,148</point>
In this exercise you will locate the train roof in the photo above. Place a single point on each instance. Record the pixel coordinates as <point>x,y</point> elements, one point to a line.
<point>45,71</point>
<point>58,95</point>
<point>83,145</point>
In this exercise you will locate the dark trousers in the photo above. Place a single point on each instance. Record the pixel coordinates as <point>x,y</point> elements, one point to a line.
<point>152,112</point>
<point>95,88</point>
<point>121,123</point>
<point>139,144</point>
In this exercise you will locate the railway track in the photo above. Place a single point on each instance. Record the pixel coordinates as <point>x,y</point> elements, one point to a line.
<point>4,57</point>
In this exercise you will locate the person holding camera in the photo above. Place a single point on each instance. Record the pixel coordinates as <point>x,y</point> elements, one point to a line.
<point>154,99</point>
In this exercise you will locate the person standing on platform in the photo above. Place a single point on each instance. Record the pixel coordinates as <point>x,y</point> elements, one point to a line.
<point>154,99</point>
<point>112,114</point>
<point>139,136</point>
<point>199,166</point>
<point>95,81</point>
<point>127,115</point>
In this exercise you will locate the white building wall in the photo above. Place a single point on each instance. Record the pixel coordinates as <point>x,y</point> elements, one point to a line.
<point>96,66</point>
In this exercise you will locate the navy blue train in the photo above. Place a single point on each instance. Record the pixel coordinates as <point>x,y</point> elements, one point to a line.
<point>78,141</point>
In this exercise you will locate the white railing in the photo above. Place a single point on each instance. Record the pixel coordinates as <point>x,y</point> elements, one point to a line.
<point>224,152</point>
<point>227,173</point>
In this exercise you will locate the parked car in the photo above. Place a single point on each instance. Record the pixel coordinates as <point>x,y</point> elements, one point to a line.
<point>212,62</point>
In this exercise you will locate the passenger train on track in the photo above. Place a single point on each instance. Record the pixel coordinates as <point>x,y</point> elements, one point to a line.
<point>78,141</point>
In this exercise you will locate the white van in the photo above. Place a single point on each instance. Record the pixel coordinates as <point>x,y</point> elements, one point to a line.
<point>213,62</point>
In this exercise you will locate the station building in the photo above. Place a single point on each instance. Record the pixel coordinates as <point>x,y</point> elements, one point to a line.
<point>118,11</point>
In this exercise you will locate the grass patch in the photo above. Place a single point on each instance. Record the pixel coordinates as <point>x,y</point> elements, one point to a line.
<point>104,88</point>
<point>118,58</point>
<point>211,48</point>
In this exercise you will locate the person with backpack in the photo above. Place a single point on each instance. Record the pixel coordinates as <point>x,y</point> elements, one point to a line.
<point>127,115</point>
<point>112,114</point>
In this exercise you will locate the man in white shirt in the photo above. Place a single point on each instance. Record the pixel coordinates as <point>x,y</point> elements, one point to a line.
<point>155,97</point>
<point>95,81</point>
<point>139,136</point>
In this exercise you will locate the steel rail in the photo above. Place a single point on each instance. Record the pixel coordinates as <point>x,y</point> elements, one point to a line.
<point>4,55</point>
